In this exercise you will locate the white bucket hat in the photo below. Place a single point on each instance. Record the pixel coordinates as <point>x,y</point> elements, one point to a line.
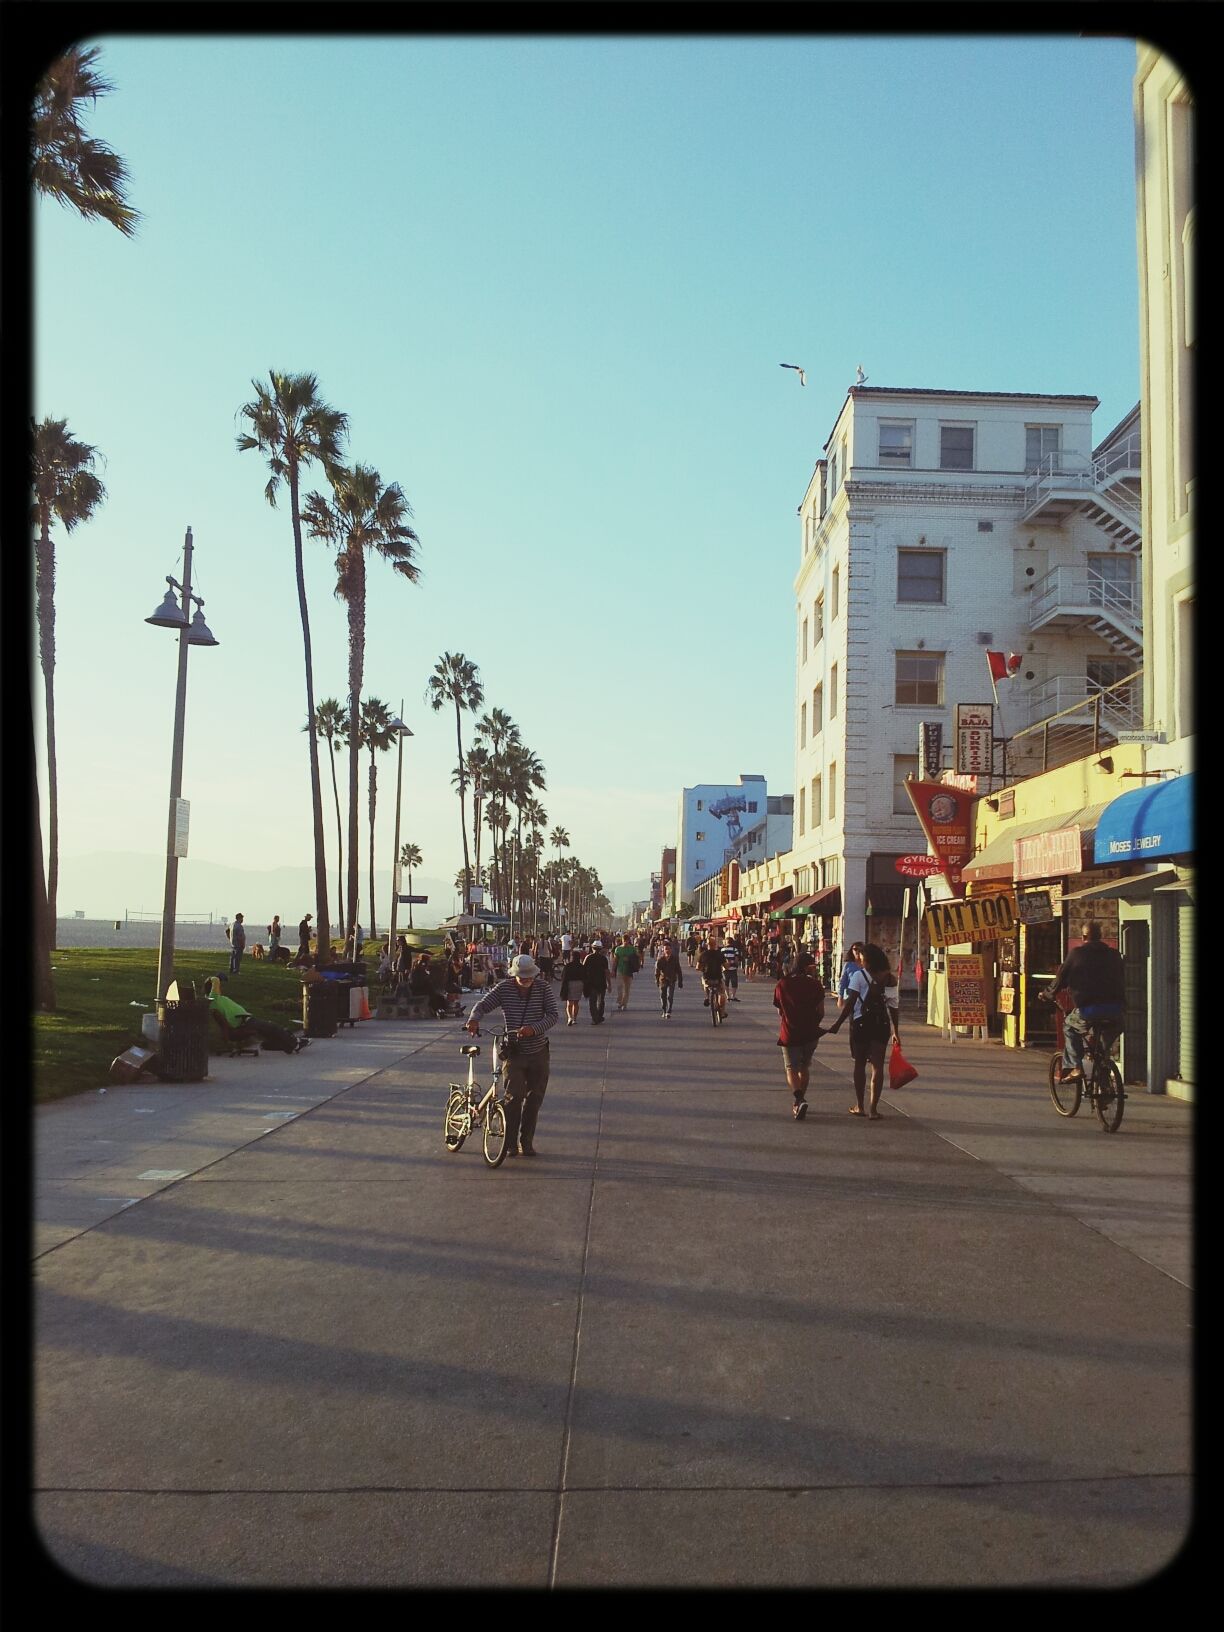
<point>524,965</point>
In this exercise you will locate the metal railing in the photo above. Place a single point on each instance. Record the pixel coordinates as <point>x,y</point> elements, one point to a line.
<point>1121,704</point>
<point>1074,588</point>
<point>1062,472</point>
<point>1081,728</point>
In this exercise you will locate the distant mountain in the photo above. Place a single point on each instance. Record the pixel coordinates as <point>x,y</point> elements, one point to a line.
<point>107,883</point>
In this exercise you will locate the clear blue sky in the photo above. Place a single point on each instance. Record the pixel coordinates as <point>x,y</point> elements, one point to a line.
<point>550,281</point>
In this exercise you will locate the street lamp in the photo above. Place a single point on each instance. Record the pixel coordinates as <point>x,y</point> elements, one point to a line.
<point>401,731</point>
<point>192,631</point>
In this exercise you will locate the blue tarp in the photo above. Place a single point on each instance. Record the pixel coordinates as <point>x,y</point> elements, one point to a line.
<point>1149,822</point>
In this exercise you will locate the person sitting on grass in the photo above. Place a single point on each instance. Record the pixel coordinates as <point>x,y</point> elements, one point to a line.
<point>243,1024</point>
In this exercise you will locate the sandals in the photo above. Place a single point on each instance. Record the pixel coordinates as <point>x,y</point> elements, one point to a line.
<point>856,1110</point>
<point>800,1109</point>
<point>874,1116</point>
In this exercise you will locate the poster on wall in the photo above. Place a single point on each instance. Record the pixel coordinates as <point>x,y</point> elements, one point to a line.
<point>1081,913</point>
<point>1007,1000</point>
<point>966,989</point>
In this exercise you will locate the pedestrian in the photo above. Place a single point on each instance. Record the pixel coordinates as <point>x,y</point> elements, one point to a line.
<point>878,965</point>
<point>731,969</point>
<point>303,951</point>
<point>423,982</point>
<point>627,961</point>
<point>274,937</point>
<point>573,985</point>
<point>401,966</point>
<point>530,1011</point>
<point>545,958</point>
<point>668,975</point>
<point>567,945</point>
<point>236,936</point>
<point>799,998</point>
<point>242,1023</point>
<point>596,981</point>
<point>871,1024</point>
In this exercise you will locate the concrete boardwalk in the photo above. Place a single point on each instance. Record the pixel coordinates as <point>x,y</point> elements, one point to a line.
<point>284,1338</point>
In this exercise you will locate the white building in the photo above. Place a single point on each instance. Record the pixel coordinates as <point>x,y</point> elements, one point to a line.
<point>938,525</point>
<point>713,818</point>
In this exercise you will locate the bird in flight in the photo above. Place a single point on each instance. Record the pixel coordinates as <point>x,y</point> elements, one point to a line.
<point>797,369</point>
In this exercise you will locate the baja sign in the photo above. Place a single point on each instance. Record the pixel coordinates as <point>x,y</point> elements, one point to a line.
<point>981,918</point>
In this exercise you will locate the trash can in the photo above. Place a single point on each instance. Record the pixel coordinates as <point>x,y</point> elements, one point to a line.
<point>319,1016</point>
<point>182,1044</point>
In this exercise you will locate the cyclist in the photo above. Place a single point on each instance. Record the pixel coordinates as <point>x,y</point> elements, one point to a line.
<point>1093,976</point>
<point>713,968</point>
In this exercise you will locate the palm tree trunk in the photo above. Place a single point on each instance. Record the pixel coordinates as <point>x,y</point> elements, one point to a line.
<point>467,865</point>
<point>331,754</point>
<point>410,903</point>
<point>45,578</point>
<point>356,623</point>
<point>44,984</point>
<point>323,923</point>
<point>373,802</point>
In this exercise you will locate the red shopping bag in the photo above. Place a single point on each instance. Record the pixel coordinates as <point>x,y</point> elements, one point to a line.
<point>900,1071</point>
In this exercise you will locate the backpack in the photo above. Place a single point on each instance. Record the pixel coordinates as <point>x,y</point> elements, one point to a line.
<point>875,1010</point>
<point>633,965</point>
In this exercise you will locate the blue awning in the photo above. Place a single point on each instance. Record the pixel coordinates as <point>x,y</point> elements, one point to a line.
<point>1148,822</point>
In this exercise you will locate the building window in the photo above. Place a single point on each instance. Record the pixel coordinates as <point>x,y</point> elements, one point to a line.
<point>904,765</point>
<point>919,679</point>
<point>833,692</point>
<point>833,475</point>
<point>817,711</point>
<point>1042,446</point>
<point>816,814</point>
<point>697,866</point>
<point>1183,662</point>
<point>801,810</point>
<point>824,490</point>
<point>803,725</point>
<point>752,805</point>
<point>832,792</point>
<point>920,575</point>
<point>1112,583</point>
<point>897,444</point>
<point>845,457</point>
<point>818,621</point>
<point>836,590</point>
<point>700,805</point>
<point>700,838</point>
<point>956,447</point>
<point>805,629</point>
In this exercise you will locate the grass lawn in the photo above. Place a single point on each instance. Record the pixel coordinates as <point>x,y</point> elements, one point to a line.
<point>73,1047</point>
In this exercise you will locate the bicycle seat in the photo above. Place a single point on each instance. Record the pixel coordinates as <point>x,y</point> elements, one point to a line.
<point>470,1048</point>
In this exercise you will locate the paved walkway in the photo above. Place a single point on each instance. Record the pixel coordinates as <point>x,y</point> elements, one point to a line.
<point>283,1338</point>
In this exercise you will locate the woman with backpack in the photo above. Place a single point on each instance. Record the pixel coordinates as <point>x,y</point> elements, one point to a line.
<point>872,1023</point>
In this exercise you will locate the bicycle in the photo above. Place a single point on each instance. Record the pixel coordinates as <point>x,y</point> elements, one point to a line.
<point>464,1112</point>
<point>1101,1080</point>
<point>716,994</point>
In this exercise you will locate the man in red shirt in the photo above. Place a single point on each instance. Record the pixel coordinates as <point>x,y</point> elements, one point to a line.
<point>799,997</point>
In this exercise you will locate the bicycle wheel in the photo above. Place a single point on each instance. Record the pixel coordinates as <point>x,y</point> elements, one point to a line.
<point>495,1134</point>
<point>713,1009</point>
<point>1066,1095</point>
<point>456,1125</point>
<point>1109,1098</point>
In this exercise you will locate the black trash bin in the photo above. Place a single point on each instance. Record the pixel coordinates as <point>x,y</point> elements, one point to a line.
<point>319,1011</point>
<point>182,1043</point>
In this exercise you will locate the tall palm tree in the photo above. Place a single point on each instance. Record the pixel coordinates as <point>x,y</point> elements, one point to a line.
<point>361,515</point>
<point>65,162</point>
<point>377,736</point>
<point>456,679</point>
<point>331,720</point>
<point>293,427</point>
<point>537,820</point>
<point>560,840</point>
<point>524,773</point>
<point>498,730</point>
<point>476,763</point>
<point>410,857</point>
<point>65,489</point>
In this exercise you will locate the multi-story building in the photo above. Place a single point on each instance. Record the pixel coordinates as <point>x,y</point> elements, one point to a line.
<point>667,881</point>
<point>713,818</point>
<point>772,834</point>
<point>938,525</point>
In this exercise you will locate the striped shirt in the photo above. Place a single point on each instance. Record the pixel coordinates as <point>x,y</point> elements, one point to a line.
<point>731,959</point>
<point>536,1007</point>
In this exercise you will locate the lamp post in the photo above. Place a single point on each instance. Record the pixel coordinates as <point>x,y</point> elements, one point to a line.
<point>401,731</point>
<point>192,631</point>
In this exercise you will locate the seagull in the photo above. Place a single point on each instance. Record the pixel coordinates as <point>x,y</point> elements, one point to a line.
<point>797,369</point>
<point>859,377</point>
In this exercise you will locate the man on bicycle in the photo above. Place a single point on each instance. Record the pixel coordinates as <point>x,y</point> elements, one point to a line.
<point>530,1008</point>
<point>713,969</point>
<point>1093,976</point>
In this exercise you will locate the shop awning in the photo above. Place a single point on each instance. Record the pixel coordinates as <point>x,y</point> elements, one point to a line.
<point>800,907</point>
<point>1147,822</point>
<point>825,903</point>
<point>780,897</point>
<point>997,859</point>
<point>1135,888</point>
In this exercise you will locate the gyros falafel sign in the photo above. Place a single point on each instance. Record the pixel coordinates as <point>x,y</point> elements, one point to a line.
<point>944,812</point>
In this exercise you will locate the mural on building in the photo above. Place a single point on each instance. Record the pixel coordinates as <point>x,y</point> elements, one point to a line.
<point>730,807</point>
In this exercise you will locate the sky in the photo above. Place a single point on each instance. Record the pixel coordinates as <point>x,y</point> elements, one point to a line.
<point>550,280</point>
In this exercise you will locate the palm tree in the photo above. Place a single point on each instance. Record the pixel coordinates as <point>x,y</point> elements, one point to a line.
<point>64,489</point>
<point>498,730</point>
<point>476,764</point>
<point>330,723</point>
<point>361,515</point>
<point>292,427</point>
<point>456,679</point>
<point>560,840</point>
<point>524,772</point>
<point>410,857</point>
<point>65,162</point>
<point>377,736</point>
<point>537,820</point>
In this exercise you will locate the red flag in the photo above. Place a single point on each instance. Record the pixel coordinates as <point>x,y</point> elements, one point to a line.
<point>1003,665</point>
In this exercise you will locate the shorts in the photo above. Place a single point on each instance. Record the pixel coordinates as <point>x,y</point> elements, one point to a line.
<point>864,1044</point>
<point>733,979</point>
<point>798,1055</point>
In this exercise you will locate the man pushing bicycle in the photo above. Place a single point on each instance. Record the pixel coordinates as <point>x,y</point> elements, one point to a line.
<point>530,1008</point>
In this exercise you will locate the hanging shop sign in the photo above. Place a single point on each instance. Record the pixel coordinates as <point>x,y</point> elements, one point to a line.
<point>918,866</point>
<point>930,749</point>
<point>1035,907</point>
<point>1048,855</point>
<point>982,918</point>
<point>974,739</point>
<point>945,813</point>
<point>966,989</point>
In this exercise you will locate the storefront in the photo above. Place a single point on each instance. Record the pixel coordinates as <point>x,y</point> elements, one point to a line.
<point>816,929</point>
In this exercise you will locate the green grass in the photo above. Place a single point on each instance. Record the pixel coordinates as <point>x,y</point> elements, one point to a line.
<point>94,1021</point>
